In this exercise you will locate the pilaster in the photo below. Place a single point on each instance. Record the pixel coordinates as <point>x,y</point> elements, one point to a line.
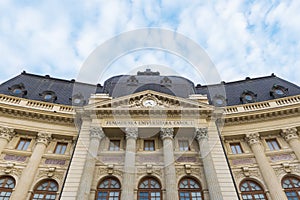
<point>291,135</point>
<point>6,134</point>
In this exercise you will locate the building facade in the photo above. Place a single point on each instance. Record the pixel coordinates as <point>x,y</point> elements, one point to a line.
<point>148,136</point>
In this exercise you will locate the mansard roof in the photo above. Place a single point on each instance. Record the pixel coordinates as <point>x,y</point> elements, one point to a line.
<point>62,91</point>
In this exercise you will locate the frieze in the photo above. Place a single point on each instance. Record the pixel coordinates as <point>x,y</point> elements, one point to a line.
<point>243,161</point>
<point>147,123</point>
<point>276,158</point>
<point>149,159</point>
<point>187,159</point>
<point>112,159</point>
<point>15,158</point>
<point>55,162</point>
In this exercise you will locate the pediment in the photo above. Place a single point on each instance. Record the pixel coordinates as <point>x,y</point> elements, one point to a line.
<point>148,100</point>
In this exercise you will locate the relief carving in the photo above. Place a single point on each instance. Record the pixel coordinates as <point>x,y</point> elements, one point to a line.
<point>289,134</point>
<point>6,133</point>
<point>252,138</point>
<point>166,133</point>
<point>201,133</point>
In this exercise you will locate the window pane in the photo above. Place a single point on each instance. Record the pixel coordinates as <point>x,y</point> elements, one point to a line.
<point>114,145</point>
<point>149,145</point>
<point>183,145</point>
<point>273,144</point>
<point>236,148</point>
<point>23,144</point>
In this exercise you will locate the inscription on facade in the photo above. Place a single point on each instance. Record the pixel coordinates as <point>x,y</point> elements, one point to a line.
<point>146,159</point>
<point>15,158</point>
<point>186,159</point>
<point>146,123</point>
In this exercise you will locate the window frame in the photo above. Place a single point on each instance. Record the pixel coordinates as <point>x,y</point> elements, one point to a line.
<point>150,148</point>
<point>63,144</point>
<point>44,192</point>
<point>270,143</point>
<point>190,190</point>
<point>234,146</point>
<point>114,148</point>
<point>108,190</point>
<point>149,190</point>
<point>182,148</point>
<point>4,189</point>
<point>294,189</point>
<point>252,192</point>
<point>25,140</point>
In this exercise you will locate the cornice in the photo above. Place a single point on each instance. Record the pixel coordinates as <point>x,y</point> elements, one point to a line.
<point>37,110</point>
<point>261,111</point>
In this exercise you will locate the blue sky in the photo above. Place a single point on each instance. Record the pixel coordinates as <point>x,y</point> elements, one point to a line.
<point>242,38</point>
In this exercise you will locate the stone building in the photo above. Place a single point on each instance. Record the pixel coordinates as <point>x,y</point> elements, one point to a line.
<point>148,136</point>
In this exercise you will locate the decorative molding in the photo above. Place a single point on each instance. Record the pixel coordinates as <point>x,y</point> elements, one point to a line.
<point>15,158</point>
<point>276,158</point>
<point>252,138</point>
<point>166,133</point>
<point>289,134</point>
<point>96,132</point>
<point>201,133</point>
<point>131,132</point>
<point>6,133</point>
<point>43,137</point>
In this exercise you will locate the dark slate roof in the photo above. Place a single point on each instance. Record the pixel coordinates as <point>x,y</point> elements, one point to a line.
<point>36,85</point>
<point>122,85</point>
<point>261,87</point>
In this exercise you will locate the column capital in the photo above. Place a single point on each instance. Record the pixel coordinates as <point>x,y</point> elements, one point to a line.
<point>201,133</point>
<point>289,134</point>
<point>131,132</point>
<point>252,138</point>
<point>166,133</point>
<point>6,133</point>
<point>96,133</point>
<point>43,137</point>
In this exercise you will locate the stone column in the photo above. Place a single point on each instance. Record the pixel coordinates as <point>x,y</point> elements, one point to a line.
<point>208,164</point>
<point>6,134</point>
<point>166,135</point>
<point>96,134</point>
<point>30,171</point>
<point>129,164</point>
<point>266,169</point>
<point>291,136</point>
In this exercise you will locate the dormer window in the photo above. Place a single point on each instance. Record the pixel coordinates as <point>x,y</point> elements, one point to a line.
<point>49,96</point>
<point>77,100</point>
<point>132,81</point>
<point>248,97</point>
<point>166,81</point>
<point>18,90</point>
<point>219,100</point>
<point>278,91</point>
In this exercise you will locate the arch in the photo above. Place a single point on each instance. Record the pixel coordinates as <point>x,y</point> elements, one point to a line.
<point>291,186</point>
<point>149,188</point>
<point>108,188</point>
<point>251,189</point>
<point>7,184</point>
<point>189,188</point>
<point>45,189</point>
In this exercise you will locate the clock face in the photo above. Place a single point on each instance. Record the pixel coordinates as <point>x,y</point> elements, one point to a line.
<point>149,103</point>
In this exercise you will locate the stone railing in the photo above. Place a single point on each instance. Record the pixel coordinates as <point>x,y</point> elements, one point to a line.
<point>10,100</point>
<point>263,105</point>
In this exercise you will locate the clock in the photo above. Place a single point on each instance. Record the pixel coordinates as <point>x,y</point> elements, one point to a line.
<point>149,102</point>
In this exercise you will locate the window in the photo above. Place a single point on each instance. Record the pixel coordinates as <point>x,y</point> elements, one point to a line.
<point>46,190</point>
<point>273,144</point>
<point>114,145</point>
<point>189,189</point>
<point>7,184</point>
<point>251,190</point>
<point>60,148</point>
<point>149,189</point>
<point>23,144</point>
<point>236,148</point>
<point>149,145</point>
<point>183,145</point>
<point>109,189</point>
<point>291,186</point>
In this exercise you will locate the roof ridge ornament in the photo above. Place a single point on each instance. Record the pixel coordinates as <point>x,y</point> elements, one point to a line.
<point>148,72</point>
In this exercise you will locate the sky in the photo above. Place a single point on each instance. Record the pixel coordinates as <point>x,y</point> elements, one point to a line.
<point>241,38</point>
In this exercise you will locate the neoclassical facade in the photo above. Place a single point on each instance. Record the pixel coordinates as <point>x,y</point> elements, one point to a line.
<point>148,136</point>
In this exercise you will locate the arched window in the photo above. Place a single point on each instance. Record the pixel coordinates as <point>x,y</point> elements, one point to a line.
<point>45,190</point>
<point>109,189</point>
<point>252,190</point>
<point>149,189</point>
<point>190,189</point>
<point>291,186</point>
<point>7,184</point>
